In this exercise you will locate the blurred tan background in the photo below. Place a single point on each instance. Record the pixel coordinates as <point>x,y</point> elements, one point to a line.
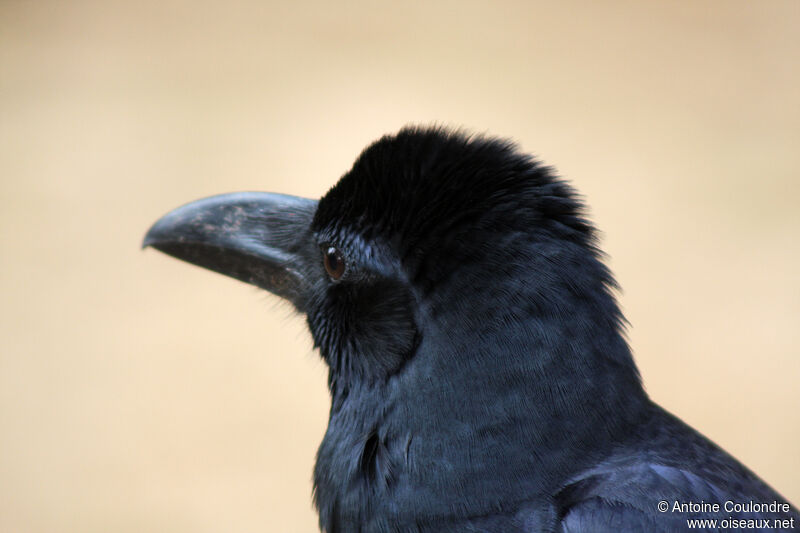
<point>138,393</point>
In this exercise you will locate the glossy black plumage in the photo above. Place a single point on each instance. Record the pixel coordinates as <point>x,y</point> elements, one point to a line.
<point>479,375</point>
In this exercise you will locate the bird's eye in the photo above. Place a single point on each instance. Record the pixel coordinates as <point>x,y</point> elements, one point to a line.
<point>334,262</point>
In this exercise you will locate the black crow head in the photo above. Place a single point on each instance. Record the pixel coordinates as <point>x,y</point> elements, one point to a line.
<point>428,223</point>
<point>454,287</point>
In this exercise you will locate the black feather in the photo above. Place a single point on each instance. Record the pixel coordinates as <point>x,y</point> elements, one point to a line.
<point>479,372</point>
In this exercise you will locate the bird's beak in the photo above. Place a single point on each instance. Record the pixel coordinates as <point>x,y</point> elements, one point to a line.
<point>260,238</point>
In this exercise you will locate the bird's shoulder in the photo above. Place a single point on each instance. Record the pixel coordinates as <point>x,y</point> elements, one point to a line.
<point>649,482</point>
<point>626,497</point>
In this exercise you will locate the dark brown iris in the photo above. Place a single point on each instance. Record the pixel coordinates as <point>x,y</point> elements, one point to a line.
<point>334,262</point>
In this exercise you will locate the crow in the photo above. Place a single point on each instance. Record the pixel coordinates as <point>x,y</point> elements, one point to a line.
<point>479,373</point>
